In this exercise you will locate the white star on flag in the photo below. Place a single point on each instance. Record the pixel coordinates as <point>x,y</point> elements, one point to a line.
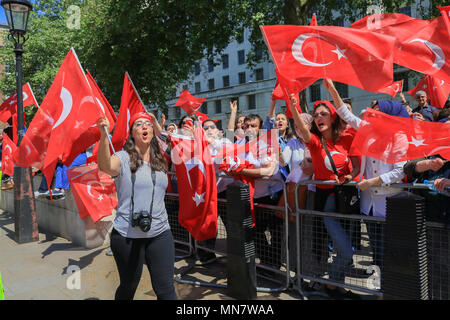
<point>417,142</point>
<point>199,198</point>
<point>100,197</point>
<point>340,53</point>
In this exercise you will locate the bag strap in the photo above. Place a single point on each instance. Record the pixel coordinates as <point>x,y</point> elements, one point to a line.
<point>133,179</point>
<point>329,157</point>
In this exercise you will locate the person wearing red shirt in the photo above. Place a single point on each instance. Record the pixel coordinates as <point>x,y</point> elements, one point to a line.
<point>327,130</point>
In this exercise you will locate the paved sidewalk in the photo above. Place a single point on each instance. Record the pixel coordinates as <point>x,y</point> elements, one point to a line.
<point>42,271</point>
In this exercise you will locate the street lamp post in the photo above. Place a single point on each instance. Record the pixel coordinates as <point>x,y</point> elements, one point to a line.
<point>25,218</point>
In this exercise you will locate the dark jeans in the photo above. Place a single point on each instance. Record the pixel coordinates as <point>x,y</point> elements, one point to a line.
<point>130,255</point>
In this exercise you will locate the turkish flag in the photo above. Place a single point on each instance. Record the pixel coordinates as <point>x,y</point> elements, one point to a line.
<point>355,57</point>
<point>393,139</point>
<point>437,90</point>
<point>393,89</point>
<point>94,192</point>
<point>130,104</point>
<point>68,111</point>
<point>188,102</point>
<point>197,188</point>
<point>285,86</point>
<point>8,108</point>
<point>421,45</point>
<point>445,12</point>
<point>107,110</point>
<point>8,150</point>
<point>202,117</point>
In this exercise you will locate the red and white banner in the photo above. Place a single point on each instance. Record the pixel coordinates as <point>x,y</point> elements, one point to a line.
<point>94,192</point>
<point>68,111</point>
<point>196,179</point>
<point>189,103</point>
<point>355,57</point>
<point>437,90</point>
<point>8,150</point>
<point>393,139</point>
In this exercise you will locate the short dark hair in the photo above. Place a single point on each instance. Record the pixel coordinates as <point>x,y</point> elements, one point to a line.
<point>180,124</point>
<point>348,101</point>
<point>209,120</point>
<point>252,117</point>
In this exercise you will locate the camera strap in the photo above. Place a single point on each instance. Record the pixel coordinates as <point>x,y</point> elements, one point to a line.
<point>133,179</point>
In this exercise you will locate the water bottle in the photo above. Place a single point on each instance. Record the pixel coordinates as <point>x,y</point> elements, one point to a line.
<point>430,185</point>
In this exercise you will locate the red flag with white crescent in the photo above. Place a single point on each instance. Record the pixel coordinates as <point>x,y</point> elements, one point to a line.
<point>437,90</point>
<point>393,89</point>
<point>355,57</point>
<point>202,117</point>
<point>196,179</point>
<point>421,45</point>
<point>8,150</point>
<point>188,102</point>
<point>393,139</point>
<point>130,104</point>
<point>68,111</point>
<point>445,12</point>
<point>94,192</point>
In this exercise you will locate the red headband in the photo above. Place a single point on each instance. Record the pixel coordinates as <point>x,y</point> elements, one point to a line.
<point>138,115</point>
<point>329,106</point>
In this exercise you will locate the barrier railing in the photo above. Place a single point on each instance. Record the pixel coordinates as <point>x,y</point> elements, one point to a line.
<point>262,211</point>
<point>313,263</point>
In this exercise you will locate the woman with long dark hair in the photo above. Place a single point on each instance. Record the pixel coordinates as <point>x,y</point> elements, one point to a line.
<point>141,232</point>
<point>327,137</point>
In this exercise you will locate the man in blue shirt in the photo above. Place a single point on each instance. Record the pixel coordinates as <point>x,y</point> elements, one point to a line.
<point>424,108</point>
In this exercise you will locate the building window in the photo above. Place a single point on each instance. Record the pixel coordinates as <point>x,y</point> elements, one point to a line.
<point>340,23</point>
<point>226,81</point>
<point>210,65</point>
<point>241,57</point>
<point>258,54</point>
<point>405,10</point>
<point>185,86</point>
<point>197,69</point>
<point>204,108</point>
<point>218,106</point>
<point>211,84</point>
<point>342,89</point>
<point>219,124</point>
<point>225,61</point>
<point>251,102</point>
<point>177,112</point>
<point>259,74</point>
<point>314,92</point>
<point>197,87</point>
<point>241,76</point>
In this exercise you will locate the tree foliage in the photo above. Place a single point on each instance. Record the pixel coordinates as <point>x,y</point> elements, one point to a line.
<point>159,41</point>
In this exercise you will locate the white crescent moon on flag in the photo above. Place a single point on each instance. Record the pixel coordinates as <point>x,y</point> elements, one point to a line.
<point>66,98</point>
<point>8,147</point>
<point>297,50</point>
<point>89,187</point>
<point>328,163</point>
<point>440,56</point>
<point>191,164</point>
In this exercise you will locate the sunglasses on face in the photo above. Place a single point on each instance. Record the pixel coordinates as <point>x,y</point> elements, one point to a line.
<point>320,114</point>
<point>209,127</point>
<point>139,124</point>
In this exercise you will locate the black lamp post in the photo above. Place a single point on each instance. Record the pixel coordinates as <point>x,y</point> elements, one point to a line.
<point>25,218</point>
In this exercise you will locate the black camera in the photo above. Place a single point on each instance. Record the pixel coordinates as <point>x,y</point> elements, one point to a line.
<point>142,219</point>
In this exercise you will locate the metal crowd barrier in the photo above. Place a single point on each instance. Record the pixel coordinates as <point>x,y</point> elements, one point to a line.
<point>314,253</point>
<point>262,211</point>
